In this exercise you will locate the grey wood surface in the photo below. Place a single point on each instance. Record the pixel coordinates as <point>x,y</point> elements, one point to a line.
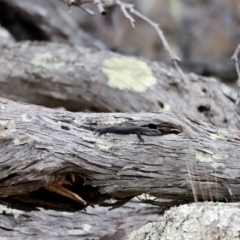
<point>57,75</point>
<point>43,150</point>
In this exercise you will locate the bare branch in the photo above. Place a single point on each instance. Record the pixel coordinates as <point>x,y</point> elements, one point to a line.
<point>103,4</point>
<point>100,6</point>
<point>166,46</point>
<point>235,59</point>
<point>87,10</point>
<point>125,12</point>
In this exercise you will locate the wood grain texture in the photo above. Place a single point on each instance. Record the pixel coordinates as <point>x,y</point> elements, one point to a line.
<point>57,75</point>
<point>40,147</point>
<point>94,223</point>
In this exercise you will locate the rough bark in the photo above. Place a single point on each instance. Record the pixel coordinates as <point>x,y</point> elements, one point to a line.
<point>78,79</point>
<point>196,221</point>
<point>34,141</point>
<point>52,159</point>
<point>94,223</point>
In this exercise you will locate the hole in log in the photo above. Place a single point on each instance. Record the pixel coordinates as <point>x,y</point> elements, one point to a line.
<point>104,12</point>
<point>152,125</point>
<point>161,104</point>
<point>65,128</point>
<point>165,128</point>
<point>203,108</point>
<point>204,90</point>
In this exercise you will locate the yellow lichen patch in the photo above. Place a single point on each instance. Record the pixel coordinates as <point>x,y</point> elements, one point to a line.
<point>79,121</point>
<point>26,117</point>
<point>221,134</point>
<point>86,227</point>
<point>47,60</point>
<point>193,77</point>
<point>105,143</point>
<point>10,211</point>
<point>26,139</point>
<point>208,157</point>
<point>167,108</point>
<point>110,119</point>
<point>7,129</point>
<point>128,73</point>
<point>203,157</point>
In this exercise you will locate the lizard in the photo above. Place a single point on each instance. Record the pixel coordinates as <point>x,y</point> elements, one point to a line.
<point>129,130</point>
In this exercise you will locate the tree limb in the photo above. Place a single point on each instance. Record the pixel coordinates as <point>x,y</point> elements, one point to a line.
<point>93,223</point>
<point>40,147</point>
<point>79,79</point>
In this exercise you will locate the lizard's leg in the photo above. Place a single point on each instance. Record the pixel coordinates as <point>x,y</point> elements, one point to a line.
<point>140,137</point>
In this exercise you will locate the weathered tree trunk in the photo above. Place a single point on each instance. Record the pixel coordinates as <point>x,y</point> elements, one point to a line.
<point>52,159</point>
<point>79,79</point>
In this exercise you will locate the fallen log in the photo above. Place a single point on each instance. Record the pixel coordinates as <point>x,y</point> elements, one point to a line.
<point>53,159</point>
<point>80,79</point>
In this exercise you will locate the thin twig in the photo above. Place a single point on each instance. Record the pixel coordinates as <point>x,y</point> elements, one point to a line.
<point>100,6</point>
<point>235,59</point>
<point>103,4</point>
<point>166,46</point>
<point>125,12</point>
<point>87,10</point>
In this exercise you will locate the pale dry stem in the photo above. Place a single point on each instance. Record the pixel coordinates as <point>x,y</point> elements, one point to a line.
<point>102,5</point>
<point>235,59</point>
